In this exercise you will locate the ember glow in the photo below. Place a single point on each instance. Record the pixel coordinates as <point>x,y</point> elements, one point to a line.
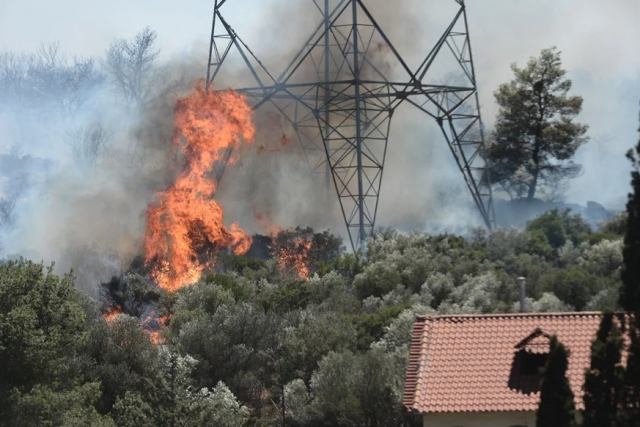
<point>112,313</point>
<point>291,251</point>
<point>296,257</point>
<point>185,218</point>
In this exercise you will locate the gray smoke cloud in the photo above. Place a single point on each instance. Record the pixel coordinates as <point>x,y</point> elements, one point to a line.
<point>90,215</point>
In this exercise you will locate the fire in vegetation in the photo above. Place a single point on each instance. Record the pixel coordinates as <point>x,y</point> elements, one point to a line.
<point>153,326</point>
<point>294,256</point>
<point>185,219</point>
<point>290,248</point>
<point>112,312</point>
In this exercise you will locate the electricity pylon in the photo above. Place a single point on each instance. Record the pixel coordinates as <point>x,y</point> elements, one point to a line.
<point>339,98</point>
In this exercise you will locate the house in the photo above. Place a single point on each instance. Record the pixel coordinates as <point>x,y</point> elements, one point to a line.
<point>482,370</point>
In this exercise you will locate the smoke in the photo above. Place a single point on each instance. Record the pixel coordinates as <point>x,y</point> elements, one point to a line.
<point>87,211</point>
<point>83,200</point>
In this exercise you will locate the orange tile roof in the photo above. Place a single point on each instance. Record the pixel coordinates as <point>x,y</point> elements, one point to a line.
<point>462,363</point>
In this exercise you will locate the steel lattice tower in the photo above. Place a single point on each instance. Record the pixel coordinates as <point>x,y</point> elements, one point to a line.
<point>340,101</point>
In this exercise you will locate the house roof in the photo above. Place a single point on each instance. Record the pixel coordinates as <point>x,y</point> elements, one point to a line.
<point>463,363</point>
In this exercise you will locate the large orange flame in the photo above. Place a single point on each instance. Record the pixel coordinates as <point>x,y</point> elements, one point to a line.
<point>185,216</point>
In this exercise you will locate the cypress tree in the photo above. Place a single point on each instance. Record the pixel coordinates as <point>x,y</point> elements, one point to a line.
<point>630,290</point>
<point>556,408</point>
<point>603,379</point>
<point>629,414</point>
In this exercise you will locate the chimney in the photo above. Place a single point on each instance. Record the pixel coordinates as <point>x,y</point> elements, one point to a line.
<point>522,282</point>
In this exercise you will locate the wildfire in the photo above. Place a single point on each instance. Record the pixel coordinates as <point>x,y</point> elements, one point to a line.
<point>292,251</point>
<point>153,327</point>
<point>296,258</point>
<point>112,313</point>
<point>185,218</point>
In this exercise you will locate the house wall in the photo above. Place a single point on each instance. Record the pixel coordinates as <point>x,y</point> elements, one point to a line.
<point>481,419</point>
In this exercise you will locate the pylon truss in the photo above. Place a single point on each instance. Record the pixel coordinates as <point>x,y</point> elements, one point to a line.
<point>339,93</point>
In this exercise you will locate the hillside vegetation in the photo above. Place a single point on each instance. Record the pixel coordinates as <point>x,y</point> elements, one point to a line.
<point>255,344</point>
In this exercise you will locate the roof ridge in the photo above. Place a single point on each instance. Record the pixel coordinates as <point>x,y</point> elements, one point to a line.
<point>502,315</point>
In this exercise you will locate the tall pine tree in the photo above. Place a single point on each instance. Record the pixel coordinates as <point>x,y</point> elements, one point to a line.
<point>603,380</point>
<point>556,408</point>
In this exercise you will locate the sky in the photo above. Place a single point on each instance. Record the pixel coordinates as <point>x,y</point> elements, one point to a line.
<point>598,40</point>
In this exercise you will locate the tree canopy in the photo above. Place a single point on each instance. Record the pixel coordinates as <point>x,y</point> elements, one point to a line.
<point>535,137</point>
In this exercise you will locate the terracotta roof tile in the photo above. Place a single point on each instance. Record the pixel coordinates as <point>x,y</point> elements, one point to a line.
<point>462,363</point>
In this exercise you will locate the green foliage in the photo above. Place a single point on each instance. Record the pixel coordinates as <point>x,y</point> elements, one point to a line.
<point>229,283</point>
<point>535,137</point>
<point>357,390</point>
<point>294,294</point>
<point>603,379</point>
<point>574,286</point>
<point>239,264</point>
<point>229,345</point>
<point>630,291</point>
<point>558,227</point>
<point>629,414</point>
<point>630,298</point>
<point>616,225</point>
<point>370,327</point>
<point>42,323</point>
<point>347,265</point>
<point>277,340</point>
<point>556,408</point>
<point>45,407</point>
<point>122,358</point>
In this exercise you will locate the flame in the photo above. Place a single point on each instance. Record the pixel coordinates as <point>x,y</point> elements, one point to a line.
<point>153,327</point>
<point>155,337</point>
<point>291,255</point>
<point>112,313</point>
<point>296,258</point>
<point>185,218</point>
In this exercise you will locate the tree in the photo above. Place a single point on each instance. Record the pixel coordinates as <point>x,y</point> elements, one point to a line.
<point>556,408</point>
<point>357,390</point>
<point>535,138</point>
<point>630,291</point>
<point>131,65</point>
<point>603,379</point>
<point>630,298</point>
<point>47,81</point>
<point>43,322</point>
<point>88,144</point>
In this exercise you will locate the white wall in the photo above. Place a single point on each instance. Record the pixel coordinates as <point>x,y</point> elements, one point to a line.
<point>481,419</point>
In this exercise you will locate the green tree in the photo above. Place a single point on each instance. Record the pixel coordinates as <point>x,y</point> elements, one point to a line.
<point>603,379</point>
<point>42,322</point>
<point>630,298</point>
<point>574,286</point>
<point>122,358</point>
<point>357,390</point>
<point>629,414</point>
<point>630,291</point>
<point>556,408</point>
<point>560,226</point>
<point>535,137</point>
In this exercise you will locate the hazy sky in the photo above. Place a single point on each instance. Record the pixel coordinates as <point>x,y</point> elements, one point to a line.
<point>599,40</point>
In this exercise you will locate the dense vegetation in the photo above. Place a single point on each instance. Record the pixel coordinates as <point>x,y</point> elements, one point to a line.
<point>254,343</point>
